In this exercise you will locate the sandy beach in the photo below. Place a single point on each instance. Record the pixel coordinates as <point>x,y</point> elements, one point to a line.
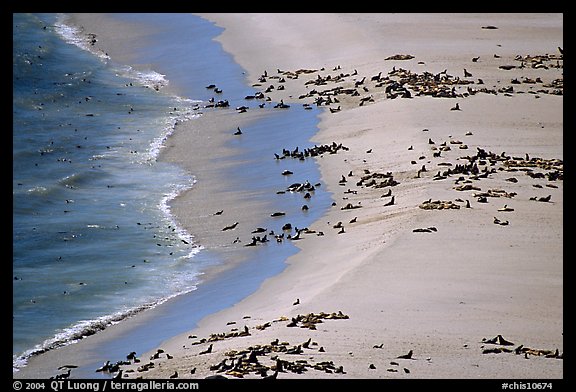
<point>442,254</point>
<point>436,293</point>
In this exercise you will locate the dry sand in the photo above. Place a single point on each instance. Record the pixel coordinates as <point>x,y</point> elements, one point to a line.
<point>439,293</point>
<point>436,293</point>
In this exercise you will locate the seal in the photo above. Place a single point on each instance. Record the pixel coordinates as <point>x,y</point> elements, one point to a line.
<point>207,351</point>
<point>390,203</point>
<point>499,222</point>
<point>231,227</point>
<point>406,356</point>
<point>281,105</point>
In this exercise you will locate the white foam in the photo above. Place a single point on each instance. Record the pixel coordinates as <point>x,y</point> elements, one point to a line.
<point>38,190</point>
<point>84,328</point>
<point>76,36</point>
<point>185,113</point>
<point>179,230</point>
<point>147,77</point>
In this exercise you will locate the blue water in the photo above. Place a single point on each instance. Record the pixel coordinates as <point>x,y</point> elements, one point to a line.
<point>93,237</point>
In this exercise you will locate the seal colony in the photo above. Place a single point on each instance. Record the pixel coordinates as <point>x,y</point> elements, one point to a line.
<point>401,83</point>
<point>445,224</point>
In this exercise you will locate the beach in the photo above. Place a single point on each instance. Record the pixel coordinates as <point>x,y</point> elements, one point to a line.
<point>441,256</point>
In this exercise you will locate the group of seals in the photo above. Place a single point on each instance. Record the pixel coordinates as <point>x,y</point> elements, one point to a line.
<point>245,362</point>
<point>487,164</point>
<point>500,341</point>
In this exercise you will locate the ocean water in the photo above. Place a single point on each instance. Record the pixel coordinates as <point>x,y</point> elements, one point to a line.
<point>94,239</point>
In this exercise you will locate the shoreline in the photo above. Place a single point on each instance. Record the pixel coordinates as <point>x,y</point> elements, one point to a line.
<point>220,258</point>
<point>396,293</point>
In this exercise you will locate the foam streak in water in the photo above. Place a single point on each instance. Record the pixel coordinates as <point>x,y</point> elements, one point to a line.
<point>82,329</point>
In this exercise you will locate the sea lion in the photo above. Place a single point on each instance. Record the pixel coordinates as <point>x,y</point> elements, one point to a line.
<point>231,227</point>
<point>406,356</point>
<point>207,351</point>
<point>499,339</point>
<point>390,203</point>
